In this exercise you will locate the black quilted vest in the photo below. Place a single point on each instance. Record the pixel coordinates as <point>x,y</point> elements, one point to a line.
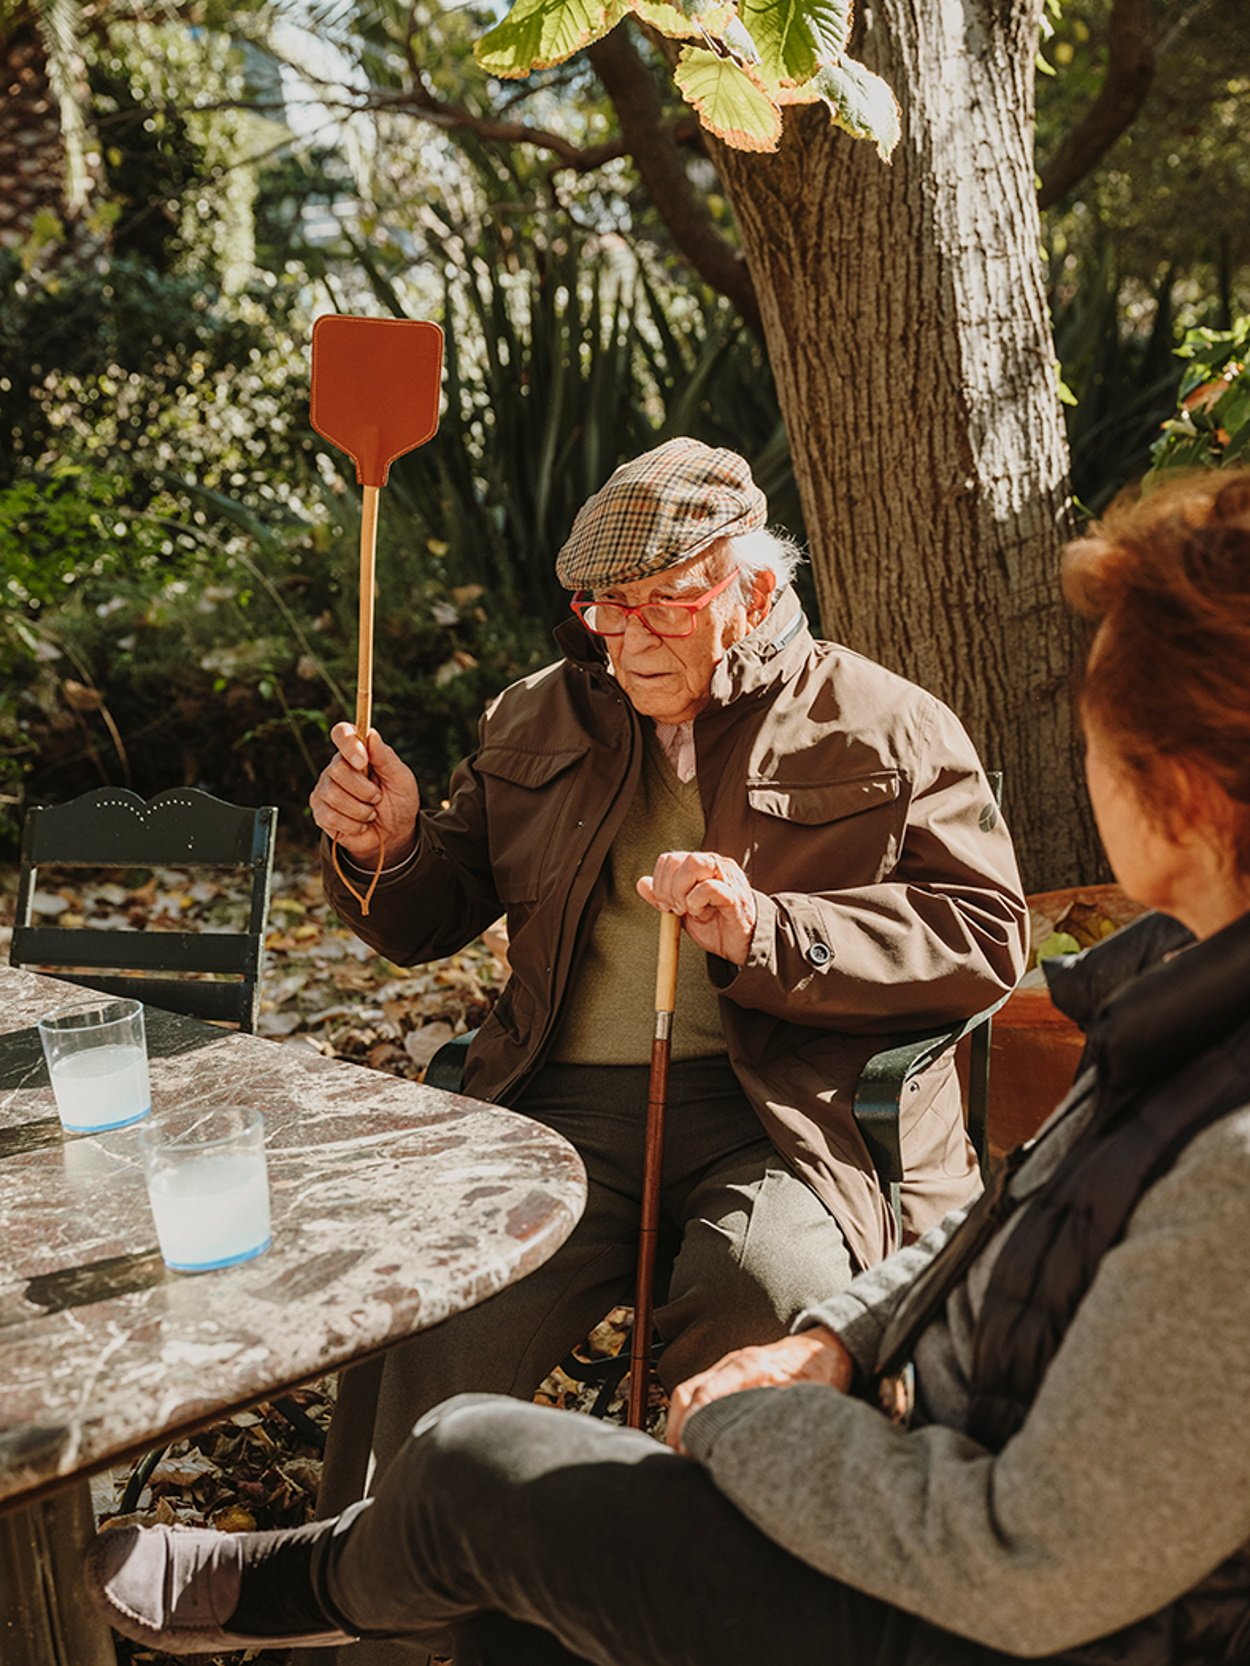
<point>1171,1048</point>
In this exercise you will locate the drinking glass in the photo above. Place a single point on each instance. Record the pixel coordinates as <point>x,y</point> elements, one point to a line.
<point>98,1061</point>
<point>208,1185</point>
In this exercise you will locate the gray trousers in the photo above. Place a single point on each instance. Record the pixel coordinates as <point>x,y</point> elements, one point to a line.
<point>513,1535</point>
<point>749,1246</point>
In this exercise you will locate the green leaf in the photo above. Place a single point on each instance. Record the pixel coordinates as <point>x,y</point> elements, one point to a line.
<point>684,19</point>
<point>729,100</point>
<point>539,33</point>
<point>794,41</point>
<point>1059,942</point>
<point>858,101</point>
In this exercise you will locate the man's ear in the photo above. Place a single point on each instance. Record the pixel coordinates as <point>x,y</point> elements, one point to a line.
<point>763,584</point>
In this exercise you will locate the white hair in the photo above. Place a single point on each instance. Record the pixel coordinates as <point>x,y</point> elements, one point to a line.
<point>752,553</point>
<point>764,552</point>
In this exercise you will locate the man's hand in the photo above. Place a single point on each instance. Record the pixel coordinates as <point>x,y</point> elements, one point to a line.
<point>362,794</point>
<point>713,896</point>
<point>813,1356</point>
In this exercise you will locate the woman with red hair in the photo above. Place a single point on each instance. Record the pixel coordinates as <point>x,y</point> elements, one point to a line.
<point>1023,1436</point>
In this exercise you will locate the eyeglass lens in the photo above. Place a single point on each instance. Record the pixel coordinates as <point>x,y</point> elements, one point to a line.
<point>608,620</point>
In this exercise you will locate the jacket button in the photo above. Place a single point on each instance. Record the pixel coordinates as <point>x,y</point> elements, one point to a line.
<point>819,954</point>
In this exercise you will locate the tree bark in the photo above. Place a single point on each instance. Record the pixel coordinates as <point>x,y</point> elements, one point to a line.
<point>44,170</point>
<point>32,156</point>
<point>905,318</point>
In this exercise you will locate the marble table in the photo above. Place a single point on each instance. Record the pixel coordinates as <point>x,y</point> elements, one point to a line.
<point>394,1206</point>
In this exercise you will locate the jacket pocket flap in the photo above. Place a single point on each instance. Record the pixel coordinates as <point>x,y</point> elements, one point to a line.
<point>813,802</point>
<point>524,768</point>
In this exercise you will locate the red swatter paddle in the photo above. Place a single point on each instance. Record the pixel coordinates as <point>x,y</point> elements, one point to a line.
<point>375,395</point>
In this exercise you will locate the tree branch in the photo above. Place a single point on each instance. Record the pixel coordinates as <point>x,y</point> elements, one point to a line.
<point>1131,61</point>
<point>454,117</point>
<point>420,101</point>
<point>655,153</point>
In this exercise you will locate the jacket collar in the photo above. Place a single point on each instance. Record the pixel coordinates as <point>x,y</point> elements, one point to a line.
<point>766,656</point>
<point>1148,1015</point>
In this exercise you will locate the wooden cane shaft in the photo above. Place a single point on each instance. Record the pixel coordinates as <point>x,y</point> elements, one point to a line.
<point>368,565</point>
<point>648,1233</point>
<point>653,1169</point>
<point>666,966</point>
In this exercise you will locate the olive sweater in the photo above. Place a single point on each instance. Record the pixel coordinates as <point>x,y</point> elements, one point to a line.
<point>609,1016</point>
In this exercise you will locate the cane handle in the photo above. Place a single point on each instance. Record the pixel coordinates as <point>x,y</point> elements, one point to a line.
<point>666,968</point>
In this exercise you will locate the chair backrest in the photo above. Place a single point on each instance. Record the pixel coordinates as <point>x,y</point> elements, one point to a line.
<point>879,1092</point>
<point>183,828</point>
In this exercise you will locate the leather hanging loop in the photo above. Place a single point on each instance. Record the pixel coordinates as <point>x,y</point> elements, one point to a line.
<point>367,898</point>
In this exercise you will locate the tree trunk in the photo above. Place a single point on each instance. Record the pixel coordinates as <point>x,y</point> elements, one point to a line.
<point>906,323</point>
<point>43,176</point>
<point>32,158</point>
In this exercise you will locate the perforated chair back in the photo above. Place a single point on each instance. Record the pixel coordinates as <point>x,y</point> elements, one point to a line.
<point>183,828</point>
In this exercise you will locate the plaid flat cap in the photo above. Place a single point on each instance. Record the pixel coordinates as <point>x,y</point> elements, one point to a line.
<point>661,509</point>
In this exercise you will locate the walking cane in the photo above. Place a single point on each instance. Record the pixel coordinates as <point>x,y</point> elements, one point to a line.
<point>653,1166</point>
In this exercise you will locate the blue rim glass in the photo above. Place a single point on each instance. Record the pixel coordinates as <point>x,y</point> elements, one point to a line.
<point>104,1127</point>
<point>213,1266</point>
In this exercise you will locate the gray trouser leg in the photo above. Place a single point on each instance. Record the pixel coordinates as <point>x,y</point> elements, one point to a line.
<point>756,1245</point>
<point>509,1534</point>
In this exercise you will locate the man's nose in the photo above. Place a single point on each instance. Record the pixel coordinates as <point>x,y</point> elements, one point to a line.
<point>636,633</point>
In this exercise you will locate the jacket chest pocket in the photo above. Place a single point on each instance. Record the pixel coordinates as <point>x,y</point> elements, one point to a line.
<point>827,836</point>
<point>527,800</point>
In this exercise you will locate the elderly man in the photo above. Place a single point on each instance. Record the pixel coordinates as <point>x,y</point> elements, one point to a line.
<point>826,834</point>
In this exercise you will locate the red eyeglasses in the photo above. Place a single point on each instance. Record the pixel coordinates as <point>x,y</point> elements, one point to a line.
<point>660,618</point>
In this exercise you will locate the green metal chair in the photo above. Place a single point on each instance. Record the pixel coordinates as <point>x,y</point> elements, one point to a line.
<point>884,1080</point>
<point>184,828</point>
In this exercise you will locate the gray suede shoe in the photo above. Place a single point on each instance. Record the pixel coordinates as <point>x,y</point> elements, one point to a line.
<point>174,1588</point>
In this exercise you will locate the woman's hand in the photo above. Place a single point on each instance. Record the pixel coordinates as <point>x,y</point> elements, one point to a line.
<point>813,1356</point>
<point>713,896</point>
<point>363,793</point>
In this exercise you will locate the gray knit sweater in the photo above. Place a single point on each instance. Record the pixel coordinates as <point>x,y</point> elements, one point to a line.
<point>1130,1479</point>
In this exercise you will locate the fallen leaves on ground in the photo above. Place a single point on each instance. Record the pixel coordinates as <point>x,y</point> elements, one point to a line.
<point>1066,923</point>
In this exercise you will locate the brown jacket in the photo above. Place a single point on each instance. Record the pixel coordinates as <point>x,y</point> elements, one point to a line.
<point>886,887</point>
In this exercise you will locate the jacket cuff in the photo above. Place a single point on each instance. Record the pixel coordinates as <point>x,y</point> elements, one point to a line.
<point>391,872</point>
<point>788,948</point>
<point>856,1327</point>
<point>343,893</point>
<point>761,961</point>
<point>703,1427</point>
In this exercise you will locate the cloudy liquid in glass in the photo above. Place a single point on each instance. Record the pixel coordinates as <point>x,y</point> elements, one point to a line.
<point>102,1087</point>
<point>212,1209</point>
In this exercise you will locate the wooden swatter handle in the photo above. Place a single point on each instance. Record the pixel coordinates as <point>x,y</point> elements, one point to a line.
<point>368,568</point>
<point>364,671</point>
